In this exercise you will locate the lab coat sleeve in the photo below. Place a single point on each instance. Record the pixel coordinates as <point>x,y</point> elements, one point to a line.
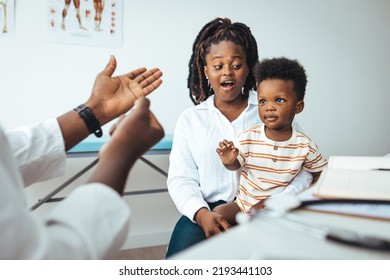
<point>92,223</point>
<point>39,151</point>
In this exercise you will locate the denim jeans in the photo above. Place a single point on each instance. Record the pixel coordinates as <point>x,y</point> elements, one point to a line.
<point>186,233</point>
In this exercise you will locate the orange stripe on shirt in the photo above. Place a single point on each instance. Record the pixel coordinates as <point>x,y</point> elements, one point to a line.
<point>277,157</point>
<point>271,183</point>
<point>272,170</point>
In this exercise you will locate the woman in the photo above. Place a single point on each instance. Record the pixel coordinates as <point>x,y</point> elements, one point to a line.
<point>220,82</point>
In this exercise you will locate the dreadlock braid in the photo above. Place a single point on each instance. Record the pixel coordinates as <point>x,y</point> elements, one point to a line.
<point>215,31</point>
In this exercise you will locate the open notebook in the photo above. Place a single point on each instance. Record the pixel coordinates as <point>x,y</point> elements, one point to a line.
<point>351,177</point>
<point>356,186</point>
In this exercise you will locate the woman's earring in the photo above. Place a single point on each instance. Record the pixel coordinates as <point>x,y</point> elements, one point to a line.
<point>242,91</point>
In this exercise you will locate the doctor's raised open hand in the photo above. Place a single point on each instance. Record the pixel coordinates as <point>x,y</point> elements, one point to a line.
<point>111,97</point>
<point>114,96</point>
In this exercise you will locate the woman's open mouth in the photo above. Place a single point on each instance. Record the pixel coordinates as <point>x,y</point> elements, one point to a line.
<point>227,85</point>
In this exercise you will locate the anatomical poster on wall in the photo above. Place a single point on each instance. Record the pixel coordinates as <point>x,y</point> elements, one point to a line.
<point>85,22</point>
<point>7,16</point>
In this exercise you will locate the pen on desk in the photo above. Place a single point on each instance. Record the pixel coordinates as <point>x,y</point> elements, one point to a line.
<point>344,236</point>
<point>364,241</point>
<point>381,169</point>
<point>341,236</point>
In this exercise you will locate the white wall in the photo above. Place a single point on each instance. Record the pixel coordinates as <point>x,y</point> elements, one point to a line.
<point>344,45</point>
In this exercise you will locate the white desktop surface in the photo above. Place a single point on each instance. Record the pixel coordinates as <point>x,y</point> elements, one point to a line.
<point>259,239</point>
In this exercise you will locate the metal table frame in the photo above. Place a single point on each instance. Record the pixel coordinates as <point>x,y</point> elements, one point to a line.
<point>91,149</point>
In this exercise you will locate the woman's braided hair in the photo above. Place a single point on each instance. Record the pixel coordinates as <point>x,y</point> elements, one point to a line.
<point>220,29</point>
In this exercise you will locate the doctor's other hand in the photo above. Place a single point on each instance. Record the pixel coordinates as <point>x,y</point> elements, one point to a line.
<point>136,132</point>
<point>133,135</point>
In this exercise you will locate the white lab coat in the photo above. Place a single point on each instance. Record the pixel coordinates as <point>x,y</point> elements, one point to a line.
<point>91,223</point>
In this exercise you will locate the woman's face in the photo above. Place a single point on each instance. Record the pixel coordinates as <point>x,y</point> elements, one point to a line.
<point>226,70</point>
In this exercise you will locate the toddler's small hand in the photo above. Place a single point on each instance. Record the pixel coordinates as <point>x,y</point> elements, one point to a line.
<point>225,146</point>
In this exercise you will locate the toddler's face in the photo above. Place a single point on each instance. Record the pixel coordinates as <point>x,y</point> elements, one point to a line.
<point>278,103</point>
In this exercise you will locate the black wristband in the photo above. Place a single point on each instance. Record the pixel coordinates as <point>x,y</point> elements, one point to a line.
<point>90,120</point>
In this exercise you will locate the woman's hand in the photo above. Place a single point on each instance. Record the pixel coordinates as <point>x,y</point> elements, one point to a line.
<point>212,223</point>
